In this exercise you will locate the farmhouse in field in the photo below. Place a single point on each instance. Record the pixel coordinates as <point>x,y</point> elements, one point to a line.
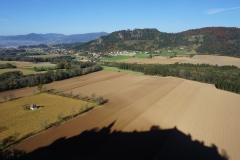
<point>33,107</point>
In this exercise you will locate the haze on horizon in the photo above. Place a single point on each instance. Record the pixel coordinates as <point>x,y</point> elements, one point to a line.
<point>86,16</point>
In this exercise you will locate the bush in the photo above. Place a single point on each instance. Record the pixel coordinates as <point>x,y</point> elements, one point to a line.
<point>12,96</point>
<point>100,100</point>
<point>93,96</point>
<point>60,116</point>
<point>26,107</point>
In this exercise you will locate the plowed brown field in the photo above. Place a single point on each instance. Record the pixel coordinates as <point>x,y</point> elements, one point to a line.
<point>155,60</point>
<point>197,59</point>
<point>213,60</point>
<point>138,102</point>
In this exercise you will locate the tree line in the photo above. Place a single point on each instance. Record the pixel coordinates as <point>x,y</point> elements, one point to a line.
<point>35,59</point>
<point>15,79</point>
<point>224,77</point>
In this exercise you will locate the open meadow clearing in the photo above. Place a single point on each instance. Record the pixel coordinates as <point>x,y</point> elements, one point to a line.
<point>17,121</point>
<point>165,108</point>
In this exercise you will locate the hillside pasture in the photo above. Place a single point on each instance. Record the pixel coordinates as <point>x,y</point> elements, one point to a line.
<point>19,122</point>
<point>143,104</point>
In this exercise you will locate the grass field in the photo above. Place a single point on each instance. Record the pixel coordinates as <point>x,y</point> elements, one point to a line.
<point>181,113</point>
<point>30,69</point>
<point>145,55</point>
<point>167,54</point>
<point>19,122</point>
<point>115,69</point>
<point>116,58</point>
<point>181,53</point>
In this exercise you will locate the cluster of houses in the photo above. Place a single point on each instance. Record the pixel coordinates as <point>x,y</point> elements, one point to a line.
<point>50,50</point>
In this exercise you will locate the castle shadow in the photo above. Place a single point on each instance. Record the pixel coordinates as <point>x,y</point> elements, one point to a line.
<point>104,144</point>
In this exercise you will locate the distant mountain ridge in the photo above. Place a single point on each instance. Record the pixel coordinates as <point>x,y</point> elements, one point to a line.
<point>209,40</point>
<point>34,38</point>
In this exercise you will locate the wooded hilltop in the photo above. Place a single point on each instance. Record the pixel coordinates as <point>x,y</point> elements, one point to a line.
<point>210,40</point>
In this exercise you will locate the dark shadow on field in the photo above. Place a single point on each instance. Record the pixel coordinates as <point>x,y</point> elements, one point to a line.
<point>104,144</point>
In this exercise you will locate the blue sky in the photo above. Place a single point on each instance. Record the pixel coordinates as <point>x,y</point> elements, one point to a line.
<point>85,16</point>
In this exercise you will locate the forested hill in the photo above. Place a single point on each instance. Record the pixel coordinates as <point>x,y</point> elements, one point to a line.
<point>210,40</point>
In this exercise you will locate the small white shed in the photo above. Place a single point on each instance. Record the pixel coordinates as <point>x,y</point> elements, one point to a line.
<point>33,107</point>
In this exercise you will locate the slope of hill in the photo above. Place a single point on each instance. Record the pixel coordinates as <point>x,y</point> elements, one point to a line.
<point>28,37</point>
<point>210,40</point>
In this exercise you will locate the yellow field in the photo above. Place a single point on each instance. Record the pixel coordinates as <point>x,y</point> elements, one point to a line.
<point>20,122</point>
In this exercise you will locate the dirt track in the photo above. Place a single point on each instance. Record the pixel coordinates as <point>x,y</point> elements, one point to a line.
<point>138,102</point>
